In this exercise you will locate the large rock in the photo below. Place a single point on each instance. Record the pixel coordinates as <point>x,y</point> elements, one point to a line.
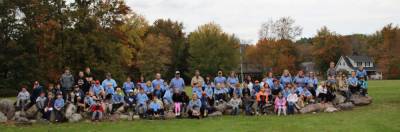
<point>70,110</point>
<point>75,117</point>
<point>31,112</point>
<point>7,108</point>
<point>359,100</point>
<point>216,113</point>
<point>331,109</point>
<point>312,108</point>
<point>125,117</point>
<point>3,118</point>
<point>346,106</point>
<point>169,115</point>
<point>220,106</point>
<point>227,111</point>
<point>339,99</point>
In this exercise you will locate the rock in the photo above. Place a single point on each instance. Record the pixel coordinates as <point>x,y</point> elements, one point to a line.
<point>169,115</point>
<point>32,121</point>
<point>359,100</point>
<point>220,106</point>
<point>339,99</point>
<point>120,109</point>
<point>75,117</point>
<point>216,113</point>
<point>22,120</point>
<point>136,117</point>
<point>228,112</point>
<point>123,117</point>
<point>346,106</point>
<point>3,118</point>
<point>312,108</point>
<point>31,112</point>
<point>331,109</point>
<point>70,110</point>
<point>7,108</point>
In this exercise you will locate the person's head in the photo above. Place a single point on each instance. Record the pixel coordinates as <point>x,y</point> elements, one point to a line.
<point>194,97</point>
<point>323,83</point>
<point>301,73</point>
<point>197,73</point>
<point>332,64</point>
<point>119,91</point>
<point>50,86</point>
<point>23,89</point>
<point>87,69</point>
<point>237,85</point>
<point>141,90</point>
<point>98,102</point>
<point>50,95</point>
<point>158,76</point>
<point>76,88</point>
<point>232,74</point>
<point>59,96</point>
<point>131,93</point>
<point>270,74</point>
<point>36,83</point>
<point>42,94</point>
<point>97,82</point>
<point>81,74</point>
<point>155,97</point>
<point>353,73</point>
<point>361,67</point>
<point>177,74</point>
<point>292,91</point>
<point>248,78</point>
<point>276,81</point>
<point>362,78</point>
<point>141,78</point>
<point>312,74</point>
<point>80,82</point>
<point>280,95</point>
<point>266,86</point>
<point>286,72</point>
<point>148,83</point>
<point>108,75</point>
<point>257,82</point>
<point>176,91</point>
<point>235,96</point>
<point>219,73</point>
<point>208,78</point>
<point>58,86</point>
<point>128,79</point>
<point>67,71</point>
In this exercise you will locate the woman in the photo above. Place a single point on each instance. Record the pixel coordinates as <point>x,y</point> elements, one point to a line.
<point>128,86</point>
<point>231,81</point>
<point>286,78</point>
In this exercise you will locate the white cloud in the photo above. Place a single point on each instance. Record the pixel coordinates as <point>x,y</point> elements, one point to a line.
<point>244,17</point>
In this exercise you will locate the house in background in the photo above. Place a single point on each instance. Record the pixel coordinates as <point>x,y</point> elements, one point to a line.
<point>351,63</point>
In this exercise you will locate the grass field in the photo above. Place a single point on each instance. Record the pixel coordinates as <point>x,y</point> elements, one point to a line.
<point>382,115</point>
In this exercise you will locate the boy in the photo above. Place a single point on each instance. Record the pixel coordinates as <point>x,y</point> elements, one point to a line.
<point>58,107</point>
<point>363,86</point>
<point>234,104</point>
<point>353,83</point>
<point>155,108</point>
<point>237,90</point>
<point>130,101</point>
<point>197,89</point>
<point>141,101</point>
<point>117,100</point>
<point>97,111</point>
<point>219,92</point>
<point>23,98</point>
<point>262,99</point>
<point>194,107</point>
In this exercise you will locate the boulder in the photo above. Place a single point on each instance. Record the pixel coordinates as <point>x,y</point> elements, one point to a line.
<point>227,111</point>
<point>345,106</point>
<point>169,115</point>
<point>75,117</point>
<point>331,109</point>
<point>359,100</point>
<point>31,112</point>
<point>121,109</point>
<point>220,106</point>
<point>124,117</point>
<point>339,99</point>
<point>70,110</point>
<point>3,118</point>
<point>7,108</point>
<point>216,113</point>
<point>312,108</point>
<point>136,117</point>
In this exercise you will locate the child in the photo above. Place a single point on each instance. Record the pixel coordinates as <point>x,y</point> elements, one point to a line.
<point>177,98</point>
<point>234,104</point>
<point>58,107</point>
<point>262,99</point>
<point>48,109</point>
<point>148,89</point>
<point>97,89</point>
<point>23,98</point>
<point>51,89</point>
<point>353,83</point>
<point>322,92</point>
<point>344,87</point>
<point>167,100</point>
<point>128,86</point>
<point>210,93</point>
<point>256,87</point>
<point>154,107</point>
<point>117,99</point>
<point>194,107</point>
<point>109,90</point>
<point>204,105</point>
<point>363,86</point>
<point>276,87</point>
<point>280,104</point>
<point>237,90</point>
<point>158,91</point>
<point>141,101</point>
<point>219,92</point>
<point>41,103</point>
<point>292,100</point>
<point>197,89</point>
<point>130,101</point>
<point>97,111</point>
<point>248,103</point>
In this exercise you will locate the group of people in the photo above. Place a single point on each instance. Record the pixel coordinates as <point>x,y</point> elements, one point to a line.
<point>285,94</point>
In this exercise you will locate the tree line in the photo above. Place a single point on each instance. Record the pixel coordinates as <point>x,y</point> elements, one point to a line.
<point>39,38</point>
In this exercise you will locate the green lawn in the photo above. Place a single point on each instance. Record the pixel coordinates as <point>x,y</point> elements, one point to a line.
<point>382,115</point>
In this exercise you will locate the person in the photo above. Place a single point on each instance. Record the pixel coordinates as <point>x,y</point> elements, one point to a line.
<point>231,82</point>
<point>148,89</point>
<point>109,90</point>
<point>128,86</point>
<point>286,78</point>
<point>292,99</point>
<point>50,88</point>
<point>331,72</point>
<point>58,108</point>
<point>155,108</point>
<point>277,87</point>
<point>157,92</point>
<point>353,83</point>
<point>196,78</point>
<point>237,90</point>
<point>197,89</point>
<point>130,102</point>
<point>177,98</point>
<point>322,92</point>
<point>269,78</point>
<point>97,111</point>
<point>41,103</point>
<point>194,107</point>
<point>343,87</point>
<point>88,100</point>
<point>361,72</point>
<point>220,79</point>
<point>117,100</point>
<point>57,89</point>
<point>76,93</point>
<point>219,92</point>
<point>209,93</point>
<point>300,79</point>
<point>177,82</point>
<point>67,82</point>
<point>280,104</point>
<point>363,86</point>
<point>97,89</point>
<point>141,102</point>
<point>48,109</point>
<point>287,90</point>
<point>256,87</point>
<point>37,89</point>
<point>208,82</point>
<point>262,100</point>
<point>88,74</point>
<point>158,81</point>
<point>234,103</point>
<point>248,101</point>
<point>205,106</point>
<point>80,104</point>
<point>167,99</point>
<point>23,99</point>
<point>246,90</point>
<point>249,82</point>
<point>82,82</point>
<point>142,82</point>
<point>109,80</point>
<point>312,83</point>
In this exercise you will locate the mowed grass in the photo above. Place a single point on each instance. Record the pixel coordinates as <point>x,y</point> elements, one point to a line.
<point>382,115</point>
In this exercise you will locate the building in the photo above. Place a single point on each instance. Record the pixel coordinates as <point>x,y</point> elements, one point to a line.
<point>351,63</point>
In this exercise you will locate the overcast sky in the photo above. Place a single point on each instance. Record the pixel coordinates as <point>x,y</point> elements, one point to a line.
<point>244,17</point>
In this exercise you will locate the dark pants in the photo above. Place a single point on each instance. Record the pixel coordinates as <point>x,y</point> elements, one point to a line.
<point>154,112</point>
<point>248,109</point>
<point>59,115</point>
<point>291,107</point>
<point>364,91</point>
<point>261,107</point>
<point>323,97</point>
<point>353,89</point>
<point>115,107</point>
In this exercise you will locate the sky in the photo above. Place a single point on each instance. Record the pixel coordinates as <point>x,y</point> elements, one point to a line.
<point>244,17</point>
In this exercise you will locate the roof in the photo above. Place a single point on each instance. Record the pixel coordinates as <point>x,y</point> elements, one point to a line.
<point>359,59</point>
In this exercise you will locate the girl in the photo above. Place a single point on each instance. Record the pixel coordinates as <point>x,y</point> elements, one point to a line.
<point>58,107</point>
<point>292,100</point>
<point>231,82</point>
<point>286,78</point>
<point>322,92</point>
<point>128,86</point>
<point>177,98</point>
<point>280,104</point>
<point>262,99</point>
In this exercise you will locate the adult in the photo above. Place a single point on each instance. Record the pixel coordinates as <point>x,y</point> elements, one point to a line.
<point>128,86</point>
<point>300,79</point>
<point>142,82</point>
<point>67,81</point>
<point>269,78</point>
<point>109,80</point>
<point>177,82</point>
<point>220,79</point>
<point>197,78</point>
<point>361,72</point>
<point>353,82</point>
<point>158,81</point>
<point>286,78</point>
<point>82,82</point>
<point>331,72</point>
<point>231,82</point>
<point>88,74</point>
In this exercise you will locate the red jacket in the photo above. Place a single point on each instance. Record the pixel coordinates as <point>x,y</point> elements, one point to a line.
<point>94,108</point>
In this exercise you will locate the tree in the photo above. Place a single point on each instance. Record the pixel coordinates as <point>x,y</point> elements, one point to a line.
<point>211,49</point>
<point>328,46</point>
<point>283,28</point>
<point>155,55</point>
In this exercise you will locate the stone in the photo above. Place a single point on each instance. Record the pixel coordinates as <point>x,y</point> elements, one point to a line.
<point>123,117</point>
<point>3,118</point>
<point>312,108</point>
<point>75,117</point>
<point>339,99</point>
<point>31,112</point>
<point>169,115</point>
<point>7,108</point>
<point>216,113</point>
<point>120,109</point>
<point>331,109</point>
<point>136,117</point>
<point>70,110</point>
<point>346,106</point>
<point>359,100</point>
<point>220,106</point>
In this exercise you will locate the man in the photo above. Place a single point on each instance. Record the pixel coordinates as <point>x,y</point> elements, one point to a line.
<point>220,79</point>
<point>331,71</point>
<point>109,80</point>
<point>66,81</point>
<point>158,81</point>
<point>361,72</point>
<point>177,82</point>
<point>353,82</point>
<point>82,82</point>
<point>197,78</point>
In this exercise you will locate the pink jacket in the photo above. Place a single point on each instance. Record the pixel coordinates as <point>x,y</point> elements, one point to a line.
<point>279,102</point>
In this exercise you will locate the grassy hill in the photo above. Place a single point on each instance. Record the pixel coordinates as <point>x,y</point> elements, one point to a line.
<point>382,115</point>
